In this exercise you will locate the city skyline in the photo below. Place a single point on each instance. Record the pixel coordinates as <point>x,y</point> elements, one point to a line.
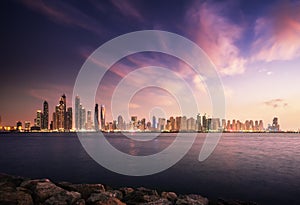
<point>62,121</point>
<point>254,46</point>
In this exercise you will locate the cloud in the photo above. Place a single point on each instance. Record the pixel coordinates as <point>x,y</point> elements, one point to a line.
<point>64,13</point>
<point>127,9</point>
<point>217,36</point>
<point>275,103</point>
<point>277,33</point>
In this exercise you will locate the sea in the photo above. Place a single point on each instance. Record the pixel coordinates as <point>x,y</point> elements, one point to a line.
<point>259,167</point>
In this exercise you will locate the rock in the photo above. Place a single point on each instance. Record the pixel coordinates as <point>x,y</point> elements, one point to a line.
<point>24,198</point>
<point>63,198</point>
<point>84,189</point>
<point>126,190</point>
<point>161,201</point>
<point>141,195</point>
<point>44,190</point>
<point>171,196</point>
<point>191,199</point>
<point>8,197</point>
<point>116,193</point>
<point>16,180</point>
<point>103,199</point>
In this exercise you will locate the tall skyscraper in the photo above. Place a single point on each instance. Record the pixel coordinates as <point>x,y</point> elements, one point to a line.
<point>45,121</point>
<point>121,125</point>
<point>38,119</point>
<point>77,112</point>
<point>154,124</point>
<point>82,122</point>
<point>102,117</point>
<point>61,114</point>
<point>89,120</point>
<point>96,117</point>
<point>69,117</point>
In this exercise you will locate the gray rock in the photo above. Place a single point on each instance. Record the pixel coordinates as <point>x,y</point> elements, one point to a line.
<point>191,199</point>
<point>15,197</point>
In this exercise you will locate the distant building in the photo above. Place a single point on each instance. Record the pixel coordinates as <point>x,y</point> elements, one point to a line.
<point>27,126</point>
<point>275,125</point>
<point>96,117</point>
<point>82,120</point>
<point>102,117</point>
<point>45,121</point>
<point>69,119</point>
<point>38,119</point>
<point>89,120</point>
<point>19,125</point>
<point>77,112</point>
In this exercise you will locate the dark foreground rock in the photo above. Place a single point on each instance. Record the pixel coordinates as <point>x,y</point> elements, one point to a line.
<point>16,190</point>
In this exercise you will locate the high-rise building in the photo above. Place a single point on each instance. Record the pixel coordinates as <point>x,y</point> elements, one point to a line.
<point>82,122</point>
<point>102,117</point>
<point>183,124</point>
<point>19,125</point>
<point>77,112</point>
<point>69,117</point>
<point>154,124</point>
<point>96,117</point>
<point>61,117</point>
<point>27,126</point>
<point>120,125</point>
<point>45,121</point>
<point>204,123</point>
<point>89,120</point>
<point>38,119</point>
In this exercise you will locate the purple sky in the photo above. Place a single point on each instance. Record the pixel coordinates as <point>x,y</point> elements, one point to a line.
<point>254,45</point>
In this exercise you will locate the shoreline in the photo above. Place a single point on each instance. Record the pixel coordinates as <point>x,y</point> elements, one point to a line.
<point>26,191</point>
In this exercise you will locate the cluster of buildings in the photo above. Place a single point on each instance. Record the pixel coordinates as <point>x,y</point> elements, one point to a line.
<point>85,120</point>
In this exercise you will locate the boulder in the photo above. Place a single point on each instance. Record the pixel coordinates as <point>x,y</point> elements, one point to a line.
<point>141,195</point>
<point>63,198</point>
<point>84,189</point>
<point>191,199</point>
<point>103,199</point>
<point>171,196</point>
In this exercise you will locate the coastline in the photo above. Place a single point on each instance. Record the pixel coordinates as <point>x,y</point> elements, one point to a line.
<point>26,191</point>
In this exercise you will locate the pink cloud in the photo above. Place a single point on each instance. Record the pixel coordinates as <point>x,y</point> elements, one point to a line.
<point>277,33</point>
<point>217,36</point>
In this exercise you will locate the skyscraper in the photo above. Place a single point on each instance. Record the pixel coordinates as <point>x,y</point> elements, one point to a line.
<point>69,120</point>
<point>96,117</point>
<point>77,112</point>
<point>102,116</point>
<point>154,124</point>
<point>82,121</point>
<point>89,120</point>
<point>38,119</point>
<point>45,121</point>
<point>61,114</point>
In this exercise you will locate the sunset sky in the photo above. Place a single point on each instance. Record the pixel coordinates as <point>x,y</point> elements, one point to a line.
<point>254,45</point>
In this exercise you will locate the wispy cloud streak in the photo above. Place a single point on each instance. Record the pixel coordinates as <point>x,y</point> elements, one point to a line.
<point>64,13</point>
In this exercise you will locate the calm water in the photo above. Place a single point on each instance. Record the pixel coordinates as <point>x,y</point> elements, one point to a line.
<point>260,167</point>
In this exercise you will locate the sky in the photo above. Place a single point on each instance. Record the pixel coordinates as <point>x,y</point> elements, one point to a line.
<point>254,46</point>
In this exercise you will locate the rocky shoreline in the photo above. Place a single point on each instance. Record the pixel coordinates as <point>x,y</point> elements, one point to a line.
<point>24,191</point>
